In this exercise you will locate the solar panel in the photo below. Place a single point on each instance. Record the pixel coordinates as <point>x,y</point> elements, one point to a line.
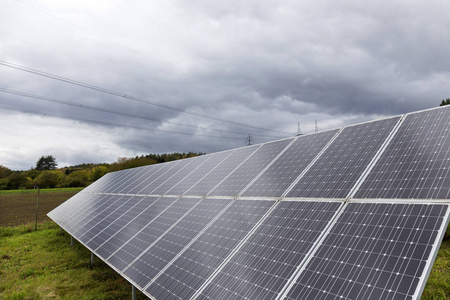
<point>151,232</point>
<point>243,175</point>
<point>115,211</point>
<point>117,240</point>
<point>190,180</point>
<point>150,262</point>
<point>282,173</point>
<point>121,222</point>
<point>167,175</point>
<point>268,259</point>
<point>152,180</point>
<point>338,169</point>
<point>206,184</point>
<point>374,251</point>
<point>175,179</point>
<point>416,163</point>
<point>196,263</point>
<point>185,245</point>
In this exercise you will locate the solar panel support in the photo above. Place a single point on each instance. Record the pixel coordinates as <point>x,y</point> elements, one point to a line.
<point>92,258</point>
<point>71,240</point>
<point>133,292</point>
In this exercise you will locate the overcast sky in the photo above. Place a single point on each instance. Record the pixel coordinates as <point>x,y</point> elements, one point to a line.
<point>264,64</point>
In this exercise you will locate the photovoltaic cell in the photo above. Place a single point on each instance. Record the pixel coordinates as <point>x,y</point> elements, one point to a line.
<point>126,233</point>
<point>416,163</point>
<point>268,259</point>
<point>95,225</point>
<point>283,172</point>
<point>119,223</point>
<point>181,164</point>
<point>243,175</point>
<point>195,163</point>
<point>338,169</point>
<point>62,213</point>
<point>190,180</point>
<point>221,171</point>
<point>154,259</point>
<point>150,233</point>
<point>129,179</point>
<point>193,267</point>
<point>374,251</point>
<point>139,187</point>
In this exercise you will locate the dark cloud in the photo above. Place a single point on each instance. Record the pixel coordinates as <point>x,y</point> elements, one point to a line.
<point>268,64</point>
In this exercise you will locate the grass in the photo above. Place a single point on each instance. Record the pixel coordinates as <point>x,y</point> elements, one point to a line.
<point>42,191</point>
<point>42,265</point>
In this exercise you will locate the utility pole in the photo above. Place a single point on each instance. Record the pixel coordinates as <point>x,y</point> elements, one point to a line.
<point>299,132</point>
<point>249,140</point>
<point>317,127</point>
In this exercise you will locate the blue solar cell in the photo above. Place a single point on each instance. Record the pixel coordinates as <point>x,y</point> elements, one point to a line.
<point>416,163</point>
<point>122,222</point>
<point>195,163</point>
<point>243,175</point>
<point>126,254</point>
<point>194,266</point>
<point>283,172</point>
<point>131,229</point>
<point>189,181</point>
<point>268,259</point>
<point>221,171</point>
<point>374,251</point>
<point>154,259</point>
<point>338,169</point>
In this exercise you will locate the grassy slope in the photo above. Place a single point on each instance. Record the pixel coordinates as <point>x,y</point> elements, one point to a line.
<point>42,265</point>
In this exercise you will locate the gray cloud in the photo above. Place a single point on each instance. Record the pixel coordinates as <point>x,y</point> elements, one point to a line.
<point>268,64</point>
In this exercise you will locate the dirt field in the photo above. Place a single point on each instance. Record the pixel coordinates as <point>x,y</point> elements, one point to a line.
<point>17,209</point>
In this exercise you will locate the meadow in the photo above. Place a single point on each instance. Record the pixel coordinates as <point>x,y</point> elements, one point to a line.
<point>42,264</point>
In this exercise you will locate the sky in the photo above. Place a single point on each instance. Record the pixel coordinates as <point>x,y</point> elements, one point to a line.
<point>92,81</point>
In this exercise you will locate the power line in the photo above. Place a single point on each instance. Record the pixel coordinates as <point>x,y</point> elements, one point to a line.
<point>122,95</point>
<point>113,124</point>
<point>84,106</point>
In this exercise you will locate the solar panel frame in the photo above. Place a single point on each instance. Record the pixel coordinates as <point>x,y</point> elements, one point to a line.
<point>426,266</point>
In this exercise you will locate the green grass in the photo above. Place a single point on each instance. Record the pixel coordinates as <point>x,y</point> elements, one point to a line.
<point>44,191</point>
<point>42,265</point>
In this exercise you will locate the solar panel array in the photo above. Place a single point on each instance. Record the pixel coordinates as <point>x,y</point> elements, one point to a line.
<point>351,213</point>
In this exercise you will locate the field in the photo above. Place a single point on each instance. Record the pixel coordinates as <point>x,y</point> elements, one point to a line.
<point>42,265</point>
<point>19,206</point>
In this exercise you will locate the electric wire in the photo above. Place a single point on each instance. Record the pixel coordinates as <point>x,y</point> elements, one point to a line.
<point>84,106</point>
<point>126,96</point>
<point>114,124</point>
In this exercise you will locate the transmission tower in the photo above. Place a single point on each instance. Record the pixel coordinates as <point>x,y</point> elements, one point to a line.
<point>249,140</point>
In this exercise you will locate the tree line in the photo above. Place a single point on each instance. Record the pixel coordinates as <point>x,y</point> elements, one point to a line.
<point>46,174</point>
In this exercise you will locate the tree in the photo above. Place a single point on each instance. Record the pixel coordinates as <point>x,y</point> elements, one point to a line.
<point>46,163</point>
<point>445,102</point>
<point>49,179</point>
<point>4,172</point>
